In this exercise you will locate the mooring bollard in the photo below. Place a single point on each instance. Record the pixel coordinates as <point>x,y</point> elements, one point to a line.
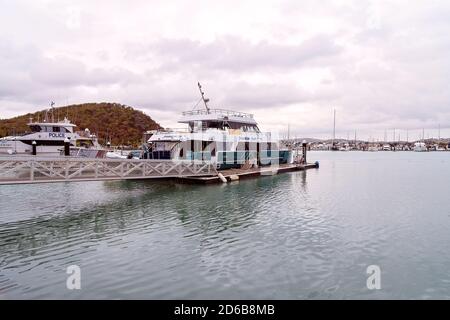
<point>304,150</point>
<point>33,144</point>
<point>66,147</point>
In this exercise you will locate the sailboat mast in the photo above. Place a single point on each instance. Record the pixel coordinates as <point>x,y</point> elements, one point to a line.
<point>53,111</point>
<point>289,131</point>
<point>334,125</point>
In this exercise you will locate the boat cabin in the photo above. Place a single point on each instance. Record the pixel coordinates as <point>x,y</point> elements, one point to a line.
<point>220,119</point>
<point>56,127</point>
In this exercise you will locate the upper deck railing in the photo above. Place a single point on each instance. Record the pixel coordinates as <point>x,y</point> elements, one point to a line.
<point>172,130</point>
<point>223,112</point>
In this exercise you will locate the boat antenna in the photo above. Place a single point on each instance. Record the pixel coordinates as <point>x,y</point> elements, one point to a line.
<point>205,100</point>
<point>52,110</point>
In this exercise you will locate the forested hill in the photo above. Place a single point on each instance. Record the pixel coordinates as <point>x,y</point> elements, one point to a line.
<point>122,124</point>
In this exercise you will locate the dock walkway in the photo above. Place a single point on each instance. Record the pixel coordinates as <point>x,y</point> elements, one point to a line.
<point>32,169</point>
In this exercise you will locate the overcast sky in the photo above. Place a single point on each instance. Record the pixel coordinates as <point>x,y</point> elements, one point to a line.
<point>381,64</point>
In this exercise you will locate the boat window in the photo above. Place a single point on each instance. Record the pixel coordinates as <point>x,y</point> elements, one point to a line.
<point>163,146</point>
<point>198,126</point>
<point>35,128</point>
<point>234,125</point>
<point>56,129</point>
<point>214,125</point>
<point>84,143</point>
<point>243,127</point>
<point>159,146</point>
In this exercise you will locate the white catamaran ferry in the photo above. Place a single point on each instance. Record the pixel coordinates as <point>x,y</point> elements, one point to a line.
<point>228,138</point>
<point>49,138</point>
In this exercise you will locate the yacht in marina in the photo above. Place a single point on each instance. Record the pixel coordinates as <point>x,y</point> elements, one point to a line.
<point>373,148</point>
<point>420,147</point>
<point>345,147</point>
<point>230,139</point>
<point>49,138</point>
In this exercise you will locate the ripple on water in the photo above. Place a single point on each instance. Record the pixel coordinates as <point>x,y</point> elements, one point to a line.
<point>298,235</point>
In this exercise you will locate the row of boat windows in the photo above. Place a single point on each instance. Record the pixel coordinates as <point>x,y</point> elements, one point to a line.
<point>38,128</point>
<point>222,125</point>
<point>211,145</point>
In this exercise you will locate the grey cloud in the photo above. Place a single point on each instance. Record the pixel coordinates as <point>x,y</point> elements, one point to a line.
<point>62,71</point>
<point>237,55</point>
<point>379,65</point>
<point>252,96</point>
<point>28,74</point>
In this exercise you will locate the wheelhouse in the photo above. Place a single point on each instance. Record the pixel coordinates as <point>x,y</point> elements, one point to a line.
<point>57,127</point>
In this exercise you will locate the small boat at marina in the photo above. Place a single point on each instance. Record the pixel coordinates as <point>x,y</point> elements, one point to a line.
<point>230,139</point>
<point>420,147</point>
<point>49,138</point>
<point>124,154</point>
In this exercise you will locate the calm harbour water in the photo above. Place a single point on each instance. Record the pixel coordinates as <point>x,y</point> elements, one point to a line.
<point>301,235</point>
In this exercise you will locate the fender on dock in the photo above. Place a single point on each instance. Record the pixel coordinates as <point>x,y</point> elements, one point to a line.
<point>221,177</point>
